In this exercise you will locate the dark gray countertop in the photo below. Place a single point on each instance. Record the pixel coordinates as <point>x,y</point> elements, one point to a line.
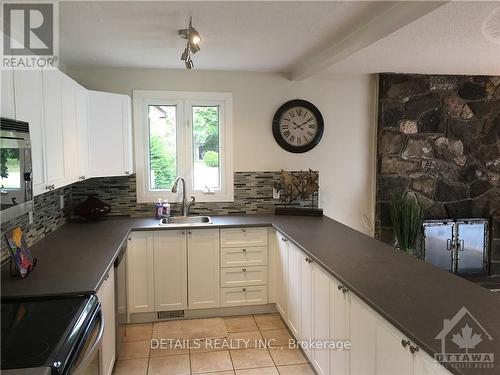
<point>411,294</point>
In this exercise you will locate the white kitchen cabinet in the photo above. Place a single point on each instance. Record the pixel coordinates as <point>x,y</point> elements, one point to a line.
<point>339,327</point>
<point>389,344</point>
<point>170,270</point>
<point>82,97</point>
<point>243,237</point>
<point>243,256</point>
<point>281,280</point>
<point>203,269</point>
<point>243,276</point>
<point>140,272</point>
<point>29,107</point>
<point>294,281</point>
<point>53,129</point>
<point>424,364</point>
<point>362,330</point>
<point>244,296</point>
<point>106,295</point>
<point>110,134</point>
<point>321,319</point>
<point>70,129</point>
<point>306,296</point>
<point>8,109</point>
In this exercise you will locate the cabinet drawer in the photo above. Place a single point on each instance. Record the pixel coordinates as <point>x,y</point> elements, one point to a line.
<point>251,295</point>
<point>243,256</point>
<point>243,276</point>
<point>241,237</point>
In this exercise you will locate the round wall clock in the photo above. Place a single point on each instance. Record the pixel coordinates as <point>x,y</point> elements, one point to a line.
<point>298,126</point>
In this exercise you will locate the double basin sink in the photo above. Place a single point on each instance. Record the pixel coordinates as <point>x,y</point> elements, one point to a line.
<point>185,220</point>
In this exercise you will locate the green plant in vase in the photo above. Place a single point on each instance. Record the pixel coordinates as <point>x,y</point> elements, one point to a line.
<point>406,218</point>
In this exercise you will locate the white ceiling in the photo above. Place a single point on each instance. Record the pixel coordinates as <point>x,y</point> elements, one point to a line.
<point>275,36</point>
<point>446,41</point>
<point>254,36</point>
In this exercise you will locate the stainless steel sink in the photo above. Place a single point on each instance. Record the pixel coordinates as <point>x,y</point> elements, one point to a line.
<point>186,220</point>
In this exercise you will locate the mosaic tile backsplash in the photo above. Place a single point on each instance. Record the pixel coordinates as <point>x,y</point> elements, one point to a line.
<point>253,194</point>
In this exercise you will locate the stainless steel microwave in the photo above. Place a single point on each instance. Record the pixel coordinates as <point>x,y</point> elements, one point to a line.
<point>16,185</point>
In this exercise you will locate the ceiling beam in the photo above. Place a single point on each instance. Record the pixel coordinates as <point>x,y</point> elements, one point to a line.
<point>390,18</point>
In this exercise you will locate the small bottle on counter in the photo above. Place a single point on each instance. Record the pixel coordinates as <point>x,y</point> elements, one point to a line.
<point>166,208</point>
<point>159,209</point>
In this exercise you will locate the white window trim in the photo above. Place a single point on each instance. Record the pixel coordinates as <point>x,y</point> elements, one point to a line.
<point>141,98</point>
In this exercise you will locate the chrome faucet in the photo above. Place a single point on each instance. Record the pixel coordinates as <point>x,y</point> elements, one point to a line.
<point>185,204</point>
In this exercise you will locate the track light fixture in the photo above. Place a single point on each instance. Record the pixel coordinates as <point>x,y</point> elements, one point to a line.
<point>193,39</point>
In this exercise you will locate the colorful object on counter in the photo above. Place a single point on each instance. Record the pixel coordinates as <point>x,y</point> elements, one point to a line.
<point>166,209</point>
<point>20,254</point>
<point>92,208</point>
<point>159,209</point>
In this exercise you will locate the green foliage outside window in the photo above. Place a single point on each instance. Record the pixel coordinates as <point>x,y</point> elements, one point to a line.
<point>162,164</point>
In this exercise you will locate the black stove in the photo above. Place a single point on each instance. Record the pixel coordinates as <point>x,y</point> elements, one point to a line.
<point>44,332</point>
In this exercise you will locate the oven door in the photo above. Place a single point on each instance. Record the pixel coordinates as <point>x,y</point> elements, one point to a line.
<point>16,187</point>
<point>87,355</point>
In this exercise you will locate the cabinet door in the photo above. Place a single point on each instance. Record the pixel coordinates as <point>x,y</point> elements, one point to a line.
<point>82,124</point>
<point>8,109</point>
<point>29,106</point>
<point>128,157</point>
<point>140,272</point>
<point>106,295</point>
<point>203,268</point>
<point>388,344</point>
<point>281,274</point>
<point>70,129</point>
<point>306,306</point>
<point>424,364</point>
<point>339,322</point>
<point>170,266</point>
<point>295,260</point>
<point>321,319</point>
<point>54,142</point>
<point>362,333</point>
<point>107,134</point>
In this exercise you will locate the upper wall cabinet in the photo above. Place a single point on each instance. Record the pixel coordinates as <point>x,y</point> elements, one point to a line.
<point>29,108</point>
<point>7,94</point>
<point>70,129</point>
<point>110,134</point>
<point>82,123</point>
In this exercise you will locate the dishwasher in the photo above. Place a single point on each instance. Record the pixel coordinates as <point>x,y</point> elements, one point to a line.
<point>120,296</point>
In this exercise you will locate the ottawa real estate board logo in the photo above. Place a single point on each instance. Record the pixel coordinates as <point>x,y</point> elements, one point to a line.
<point>464,343</point>
<point>30,35</point>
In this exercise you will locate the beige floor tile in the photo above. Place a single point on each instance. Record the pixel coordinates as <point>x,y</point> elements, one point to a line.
<point>138,332</point>
<point>245,340</point>
<point>286,356</point>
<point>172,365</point>
<point>135,349</point>
<point>218,373</point>
<point>277,337</point>
<point>258,371</point>
<point>251,358</point>
<point>209,345</point>
<point>269,321</point>
<point>131,367</point>
<point>190,329</point>
<point>210,362</point>
<point>304,369</point>
<point>166,350</point>
<point>240,323</point>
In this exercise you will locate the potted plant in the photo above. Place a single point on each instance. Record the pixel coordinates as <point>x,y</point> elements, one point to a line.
<point>406,217</point>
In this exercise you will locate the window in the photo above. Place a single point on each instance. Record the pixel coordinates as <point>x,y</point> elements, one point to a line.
<point>187,134</point>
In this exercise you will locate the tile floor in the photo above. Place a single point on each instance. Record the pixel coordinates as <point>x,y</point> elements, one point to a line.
<point>136,357</point>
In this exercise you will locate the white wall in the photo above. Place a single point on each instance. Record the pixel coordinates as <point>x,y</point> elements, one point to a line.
<point>344,157</point>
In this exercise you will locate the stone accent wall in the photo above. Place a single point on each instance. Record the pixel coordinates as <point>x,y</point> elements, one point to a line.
<point>439,137</point>
<point>47,217</point>
<point>253,194</point>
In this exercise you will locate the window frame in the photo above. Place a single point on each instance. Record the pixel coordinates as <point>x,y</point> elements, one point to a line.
<point>184,101</point>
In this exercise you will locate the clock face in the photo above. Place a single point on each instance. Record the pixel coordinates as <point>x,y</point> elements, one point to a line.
<point>298,126</point>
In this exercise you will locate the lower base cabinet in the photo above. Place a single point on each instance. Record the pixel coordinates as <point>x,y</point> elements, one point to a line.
<point>321,319</point>
<point>106,295</point>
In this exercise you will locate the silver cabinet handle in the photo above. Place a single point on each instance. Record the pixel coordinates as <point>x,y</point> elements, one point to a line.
<point>413,349</point>
<point>244,250</point>
<point>244,230</point>
<point>308,260</point>
<point>342,288</point>
<point>189,232</point>
<point>283,239</point>
<point>127,172</point>
<point>405,343</point>
<point>81,178</point>
<point>244,289</point>
<point>244,270</point>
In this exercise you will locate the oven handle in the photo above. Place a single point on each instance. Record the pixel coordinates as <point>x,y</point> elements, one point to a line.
<point>96,343</point>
